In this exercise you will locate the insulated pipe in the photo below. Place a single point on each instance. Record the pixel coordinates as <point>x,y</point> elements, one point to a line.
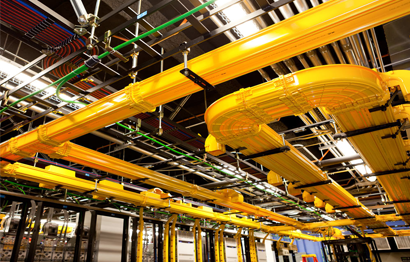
<point>338,160</point>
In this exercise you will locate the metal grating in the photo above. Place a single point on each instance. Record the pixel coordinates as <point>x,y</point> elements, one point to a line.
<point>382,244</point>
<point>402,242</point>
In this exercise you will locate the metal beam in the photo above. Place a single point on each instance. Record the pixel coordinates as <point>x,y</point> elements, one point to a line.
<point>32,63</point>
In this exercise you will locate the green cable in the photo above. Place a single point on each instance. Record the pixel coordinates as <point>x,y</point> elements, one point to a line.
<point>83,68</point>
<point>214,167</point>
<point>64,100</point>
<point>5,204</point>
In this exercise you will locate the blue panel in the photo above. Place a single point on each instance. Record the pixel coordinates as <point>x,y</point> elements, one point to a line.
<point>310,247</point>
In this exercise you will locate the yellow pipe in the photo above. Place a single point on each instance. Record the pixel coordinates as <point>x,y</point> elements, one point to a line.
<point>264,239</point>
<point>166,239</point>
<point>170,85</point>
<point>238,237</point>
<point>278,243</point>
<point>252,246</point>
<point>173,242</point>
<point>216,248</point>
<point>53,176</point>
<point>315,27</point>
<point>239,119</point>
<point>97,160</point>
<point>199,244</point>
<point>140,236</point>
<point>221,243</point>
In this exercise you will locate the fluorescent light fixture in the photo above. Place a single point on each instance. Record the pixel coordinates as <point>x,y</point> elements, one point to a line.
<point>372,178</point>
<point>347,150</point>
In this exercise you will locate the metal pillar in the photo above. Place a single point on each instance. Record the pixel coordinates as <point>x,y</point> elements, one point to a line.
<point>20,232</point>
<point>79,236</point>
<point>36,230</point>
<point>91,237</point>
<point>124,250</point>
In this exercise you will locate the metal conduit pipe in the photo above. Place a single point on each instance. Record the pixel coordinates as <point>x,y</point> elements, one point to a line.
<point>348,50</point>
<point>376,44</point>
<point>361,49</point>
<point>356,50</point>
<point>338,160</point>
<point>370,49</point>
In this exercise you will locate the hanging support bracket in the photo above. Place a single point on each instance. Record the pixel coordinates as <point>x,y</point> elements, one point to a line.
<point>188,73</point>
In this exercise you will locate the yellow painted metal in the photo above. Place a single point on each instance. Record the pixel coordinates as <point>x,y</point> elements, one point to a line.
<point>221,243</point>
<point>239,120</point>
<point>252,246</point>
<point>278,243</point>
<point>238,237</point>
<point>273,178</point>
<point>199,243</point>
<point>329,209</point>
<point>308,197</point>
<point>319,203</point>
<point>313,28</point>
<point>198,240</point>
<point>173,248</point>
<point>332,21</point>
<point>140,244</point>
<point>216,243</point>
<point>264,239</point>
<point>165,248</point>
<point>227,198</point>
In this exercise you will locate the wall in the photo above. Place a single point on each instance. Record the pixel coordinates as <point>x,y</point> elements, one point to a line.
<point>394,256</point>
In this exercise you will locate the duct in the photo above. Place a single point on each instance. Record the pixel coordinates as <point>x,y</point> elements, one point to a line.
<point>224,110</point>
<point>361,184</point>
<point>53,176</point>
<point>324,50</point>
<point>303,61</point>
<point>348,50</point>
<point>279,69</point>
<point>314,58</point>
<point>338,160</point>
<point>290,64</point>
<point>243,127</point>
<point>301,5</point>
<point>338,52</point>
<point>170,85</point>
<point>220,184</point>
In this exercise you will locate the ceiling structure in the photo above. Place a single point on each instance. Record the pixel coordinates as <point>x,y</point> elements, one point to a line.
<point>43,32</point>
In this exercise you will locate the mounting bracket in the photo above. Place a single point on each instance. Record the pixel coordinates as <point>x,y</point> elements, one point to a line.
<point>188,73</point>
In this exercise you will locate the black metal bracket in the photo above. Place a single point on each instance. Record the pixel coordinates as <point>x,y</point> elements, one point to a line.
<point>397,202</point>
<point>303,128</point>
<point>397,132</point>
<point>405,177</point>
<point>366,130</point>
<point>384,108</point>
<point>403,163</point>
<point>350,207</point>
<point>196,79</point>
<point>321,183</point>
<point>383,173</point>
<point>282,149</point>
<point>188,73</point>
